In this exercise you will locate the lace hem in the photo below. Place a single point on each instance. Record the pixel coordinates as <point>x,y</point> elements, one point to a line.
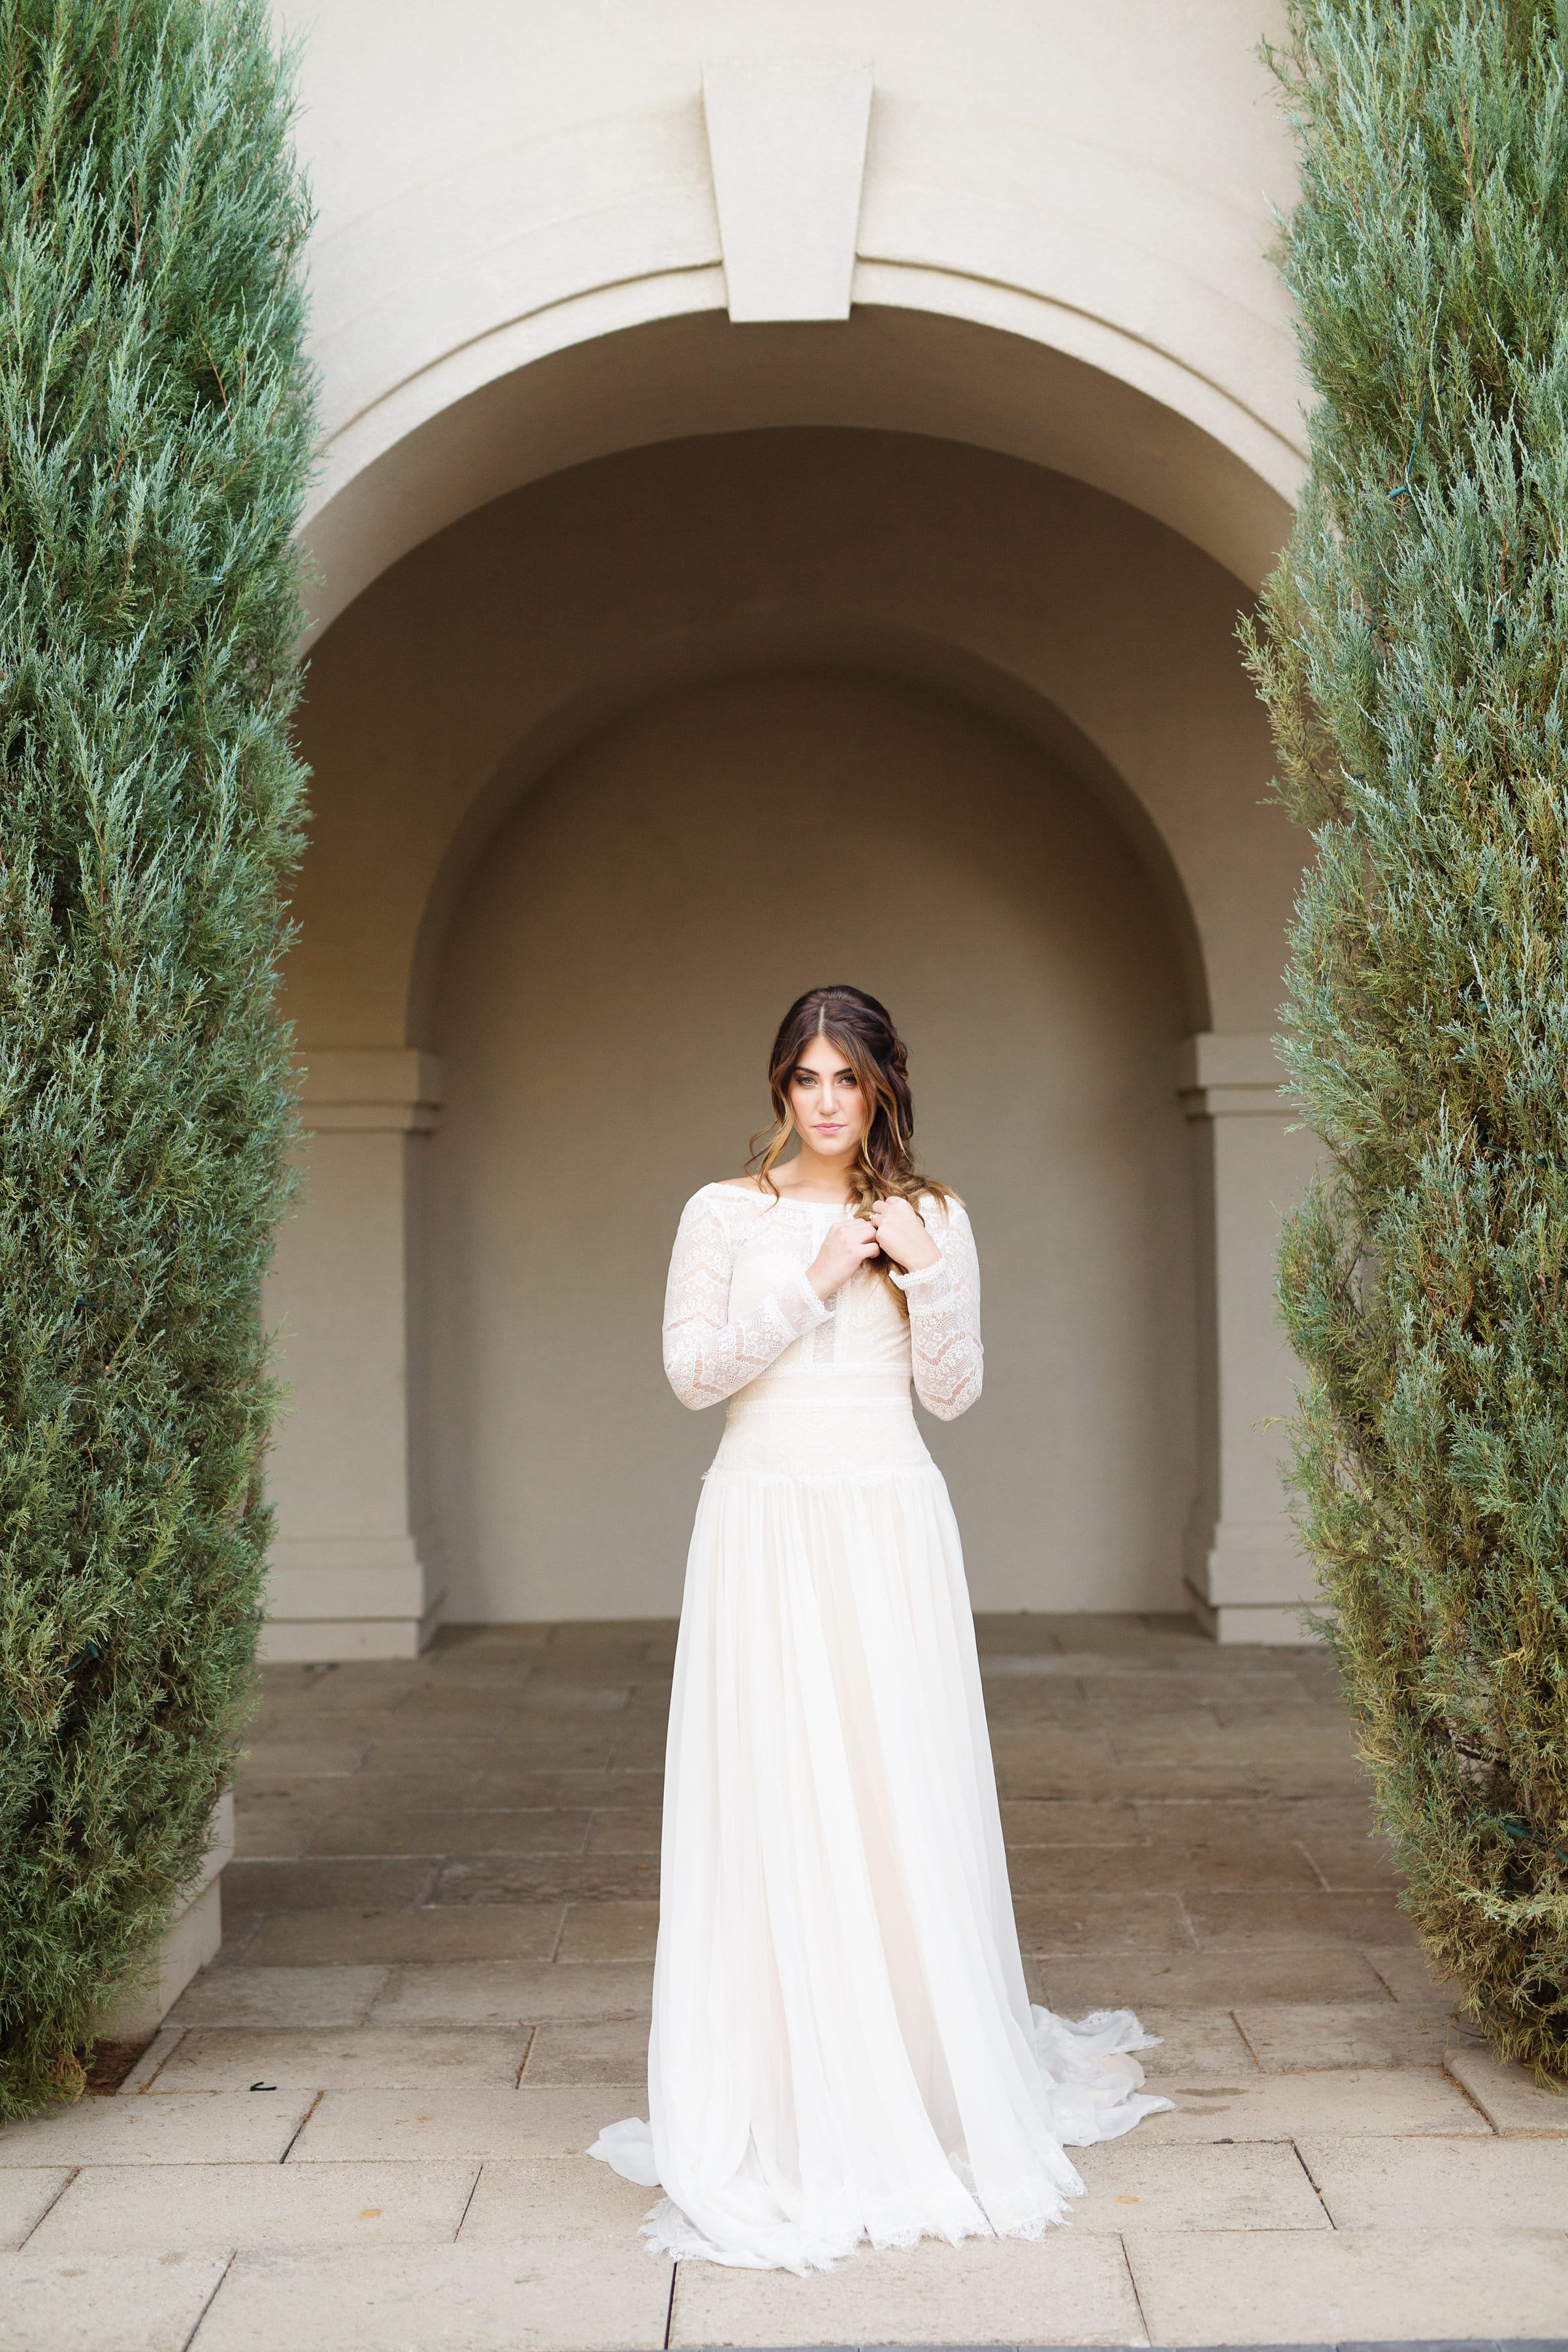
<point>669,2235</point>
<point>1090,2084</point>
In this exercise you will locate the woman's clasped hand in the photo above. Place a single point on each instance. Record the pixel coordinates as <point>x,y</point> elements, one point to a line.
<point>895,1227</point>
<point>850,1242</point>
<point>901,1233</point>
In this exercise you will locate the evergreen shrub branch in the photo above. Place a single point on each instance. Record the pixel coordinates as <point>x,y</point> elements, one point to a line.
<point>155,432</point>
<point>1412,650</point>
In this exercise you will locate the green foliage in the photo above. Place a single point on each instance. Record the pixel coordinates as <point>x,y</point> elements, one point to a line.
<point>155,429</point>
<point>1412,654</point>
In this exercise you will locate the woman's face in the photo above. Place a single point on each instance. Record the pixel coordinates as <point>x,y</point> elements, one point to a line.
<point>831,1114</point>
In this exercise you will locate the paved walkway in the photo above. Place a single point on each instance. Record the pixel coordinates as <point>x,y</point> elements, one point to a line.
<point>362,2129</point>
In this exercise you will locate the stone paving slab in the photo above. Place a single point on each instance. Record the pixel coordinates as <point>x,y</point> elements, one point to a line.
<point>1324,2288</point>
<point>502,1992</point>
<point>1430,2184</point>
<point>534,2297</point>
<point>274,1829</point>
<point>503,1787</point>
<point>1065,1924</point>
<point>1509,2096</point>
<point>346,1935</point>
<point>377,1883</point>
<point>284,1719</point>
<point>1072,2288</point>
<point>423,1747</point>
<point>1238,1820</point>
<point>1385,2102</point>
<point>320,1754</point>
<point>105,2303</point>
<point>373,2126</point>
<point>229,2129</point>
<point>388,1829</point>
<point>500,1708</point>
<point>559,2196</point>
<point>215,2207</point>
<point>1194,2042</point>
<point>609,1931</point>
<point>247,1996</point>
<point>1266,1919</point>
<point>1135,2186</point>
<point>26,2192</point>
<point>1351,1862</point>
<point>1078,1982</point>
<point>607,2050</point>
<point>1121,1683</point>
<point>625,1829</point>
<point>421,1789</point>
<point>1041,1822</point>
<point>492,1736</point>
<point>1409,1975</point>
<point>546,1878</point>
<point>1293,2036</point>
<point>210,2059</point>
<point>1277,1864</point>
<point>540,2296</point>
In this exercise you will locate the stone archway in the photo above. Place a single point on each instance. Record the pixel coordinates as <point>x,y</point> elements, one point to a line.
<point>473,666</point>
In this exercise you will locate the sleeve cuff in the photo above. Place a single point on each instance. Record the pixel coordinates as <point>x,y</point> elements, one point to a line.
<point>816,1308</point>
<point>913,1282</point>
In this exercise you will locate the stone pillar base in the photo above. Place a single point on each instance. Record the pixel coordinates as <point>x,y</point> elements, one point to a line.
<point>1273,1626</point>
<point>186,1945</point>
<point>351,1597</point>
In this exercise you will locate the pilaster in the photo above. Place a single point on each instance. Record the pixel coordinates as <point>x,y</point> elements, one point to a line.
<point>354,1572</point>
<point>1246,1571</point>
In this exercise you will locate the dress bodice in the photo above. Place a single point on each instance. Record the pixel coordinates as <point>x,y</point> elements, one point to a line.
<point>741,1315</point>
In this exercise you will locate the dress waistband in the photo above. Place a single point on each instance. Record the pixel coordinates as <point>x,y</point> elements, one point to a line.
<point>822,1390</point>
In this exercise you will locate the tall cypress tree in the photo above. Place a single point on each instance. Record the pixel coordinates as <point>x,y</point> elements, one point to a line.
<point>1413,654</point>
<point>155,429</point>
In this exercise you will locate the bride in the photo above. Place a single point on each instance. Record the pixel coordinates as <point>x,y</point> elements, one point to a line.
<point>842,2046</point>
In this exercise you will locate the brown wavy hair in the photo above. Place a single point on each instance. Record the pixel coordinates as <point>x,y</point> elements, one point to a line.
<point>862,1031</point>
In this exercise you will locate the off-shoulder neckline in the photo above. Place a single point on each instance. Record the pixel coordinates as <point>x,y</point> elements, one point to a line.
<point>774,1199</point>
<point>784,1201</point>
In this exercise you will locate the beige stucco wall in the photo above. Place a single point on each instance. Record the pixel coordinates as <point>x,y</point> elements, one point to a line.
<point>611,979</point>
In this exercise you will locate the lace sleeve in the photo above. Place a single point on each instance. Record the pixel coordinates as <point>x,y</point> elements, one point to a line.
<point>944,1316</point>
<point>707,1357</point>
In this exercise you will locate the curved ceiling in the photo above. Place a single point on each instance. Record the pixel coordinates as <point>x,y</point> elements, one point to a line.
<point>909,370</point>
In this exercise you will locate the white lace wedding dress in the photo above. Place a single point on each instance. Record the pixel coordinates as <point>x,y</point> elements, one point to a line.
<point>842,2044</point>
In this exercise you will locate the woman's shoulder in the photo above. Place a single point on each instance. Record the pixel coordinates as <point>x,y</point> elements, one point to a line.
<point>726,1192</point>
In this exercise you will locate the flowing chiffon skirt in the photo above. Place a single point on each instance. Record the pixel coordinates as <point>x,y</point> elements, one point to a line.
<point>842,2045</point>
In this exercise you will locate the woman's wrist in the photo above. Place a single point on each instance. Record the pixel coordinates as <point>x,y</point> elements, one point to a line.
<point>906,1275</point>
<point>923,1264</point>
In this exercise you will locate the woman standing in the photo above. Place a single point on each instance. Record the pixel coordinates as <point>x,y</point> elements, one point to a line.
<point>842,2046</point>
